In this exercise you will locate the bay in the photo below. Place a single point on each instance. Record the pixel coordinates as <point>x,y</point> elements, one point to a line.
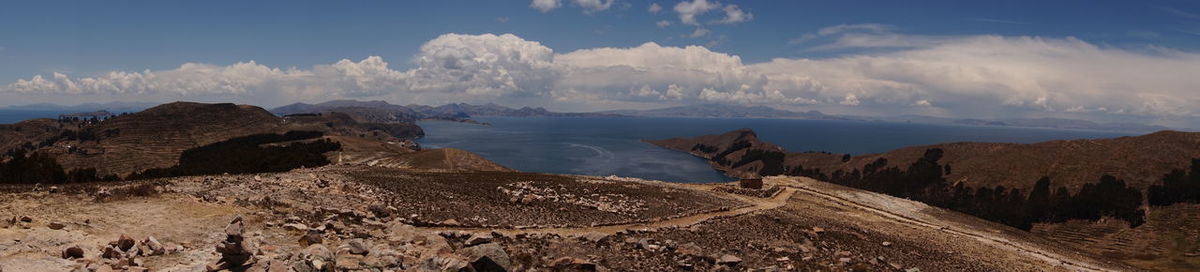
<point>612,146</point>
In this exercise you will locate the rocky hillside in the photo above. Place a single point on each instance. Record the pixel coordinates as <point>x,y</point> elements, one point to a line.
<point>156,137</point>
<point>1140,161</point>
<point>1107,196</point>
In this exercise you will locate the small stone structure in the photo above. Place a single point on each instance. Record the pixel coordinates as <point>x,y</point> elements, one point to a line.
<point>751,183</point>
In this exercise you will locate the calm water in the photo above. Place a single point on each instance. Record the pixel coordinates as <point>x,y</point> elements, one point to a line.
<point>611,146</point>
<point>13,116</point>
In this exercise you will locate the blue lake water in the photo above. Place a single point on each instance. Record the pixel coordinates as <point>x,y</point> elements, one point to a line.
<point>611,146</point>
<point>13,116</point>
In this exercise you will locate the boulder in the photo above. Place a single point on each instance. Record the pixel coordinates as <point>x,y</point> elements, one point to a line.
<point>153,247</point>
<point>488,257</point>
<point>73,252</point>
<point>55,226</point>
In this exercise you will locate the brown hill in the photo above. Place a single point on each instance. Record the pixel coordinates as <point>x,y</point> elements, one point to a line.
<point>156,137</point>
<point>1155,237</point>
<point>1139,160</point>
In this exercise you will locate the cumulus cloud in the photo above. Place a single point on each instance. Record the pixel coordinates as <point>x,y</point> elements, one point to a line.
<point>654,8</point>
<point>733,15</point>
<point>961,76</point>
<point>590,6</point>
<point>689,10</point>
<point>545,5</point>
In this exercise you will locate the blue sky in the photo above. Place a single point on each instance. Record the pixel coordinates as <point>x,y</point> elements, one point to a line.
<point>90,39</point>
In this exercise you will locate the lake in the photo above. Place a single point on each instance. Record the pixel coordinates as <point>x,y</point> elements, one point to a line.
<point>13,116</point>
<point>611,146</point>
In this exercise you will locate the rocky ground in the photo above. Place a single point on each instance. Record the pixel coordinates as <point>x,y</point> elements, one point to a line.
<point>355,218</point>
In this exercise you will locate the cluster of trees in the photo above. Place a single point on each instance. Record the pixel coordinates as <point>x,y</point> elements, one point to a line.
<point>34,168</point>
<point>249,154</point>
<point>923,181</point>
<point>1177,187</point>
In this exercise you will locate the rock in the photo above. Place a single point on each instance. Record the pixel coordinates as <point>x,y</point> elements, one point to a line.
<point>348,262</point>
<point>317,258</point>
<point>593,237</point>
<point>295,227</point>
<point>111,252</point>
<point>357,247</point>
<point>442,262</point>
<point>310,238</point>
<point>379,211</point>
<point>73,252</point>
<point>235,253</point>
<point>818,230</point>
<point>690,249</point>
<point>479,238</point>
<point>729,260</point>
<point>125,243</point>
<point>26,219</point>
<point>886,244</point>
<point>54,189</point>
<point>449,222</point>
<point>153,246</point>
<point>56,226</point>
<point>488,257</point>
<point>573,264</point>
<point>235,228</point>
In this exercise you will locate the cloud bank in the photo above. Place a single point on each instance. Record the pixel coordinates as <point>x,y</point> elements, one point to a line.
<point>961,76</point>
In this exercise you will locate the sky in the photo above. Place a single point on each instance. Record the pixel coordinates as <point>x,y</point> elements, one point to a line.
<point>1108,61</point>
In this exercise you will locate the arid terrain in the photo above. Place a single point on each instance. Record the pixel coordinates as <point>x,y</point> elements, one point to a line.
<point>359,218</point>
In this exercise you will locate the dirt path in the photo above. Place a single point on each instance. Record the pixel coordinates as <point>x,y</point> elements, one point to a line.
<point>1048,257</point>
<point>757,204</point>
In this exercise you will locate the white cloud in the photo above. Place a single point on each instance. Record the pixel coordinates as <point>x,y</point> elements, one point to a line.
<point>545,5</point>
<point>734,15</point>
<point>837,29</point>
<point>654,8</point>
<point>700,32</point>
<point>689,10</point>
<point>663,23</point>
<point>591,6</point>
<point>962,76</point>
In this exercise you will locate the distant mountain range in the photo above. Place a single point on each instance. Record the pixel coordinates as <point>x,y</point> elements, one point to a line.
<point>1057,123</point>
<point>735,111</point>
<point>377,111</point>
<point>115,107</point>
<point>727,111</point>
